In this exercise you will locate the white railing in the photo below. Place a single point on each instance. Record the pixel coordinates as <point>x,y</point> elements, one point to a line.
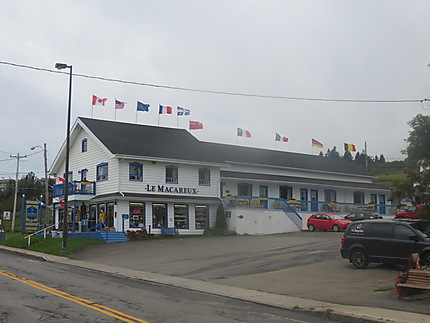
<point>44,234</point>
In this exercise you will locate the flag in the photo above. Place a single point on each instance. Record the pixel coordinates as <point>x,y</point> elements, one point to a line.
<point>165,109</point>
<point>62,203</point>
<point>241,133</point>
<point>142,107</point>
<point>183,112</point>
<point>61,179</point>
<point>349,147</point>
<point>119,104</point>
<point>279,138</point>
<point>98,101</point>
<point>194,125</point>
<point>316,143</point>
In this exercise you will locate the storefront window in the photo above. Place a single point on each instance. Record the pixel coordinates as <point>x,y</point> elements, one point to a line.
<point>285,192</point>
<point>359,197</point>
<point>202,216</point>
<point>159,215</point>
<point>137,215</point>
<point>181,216</point>
<point>244,189</point>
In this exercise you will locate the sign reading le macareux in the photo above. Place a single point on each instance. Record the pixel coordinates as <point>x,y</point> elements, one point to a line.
<point>170,189</point>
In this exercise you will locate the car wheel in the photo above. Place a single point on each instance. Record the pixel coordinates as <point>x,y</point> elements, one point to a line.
<point>336,228</point>
<point>426,259</point>
<point>359,259</point>
<point>311,228</point>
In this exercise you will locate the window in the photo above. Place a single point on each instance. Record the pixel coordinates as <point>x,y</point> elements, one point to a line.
<point>330,195</point>
<point>359,197</point>
<point>137,215</point>
<point>181,216</point>
<point>159,215</point>
<point>172,174</point>
<point>204,176</point>
<point>102,172</point>
<point>244,189</point>
<point>135,171</point>
<point>202,216</point>
<point>285,192</point>
<point>84,145</point>
<point>381,230</point>
<point>402,232</point>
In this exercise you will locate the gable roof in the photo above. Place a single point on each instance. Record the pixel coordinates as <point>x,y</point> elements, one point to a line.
<point>172,143</point>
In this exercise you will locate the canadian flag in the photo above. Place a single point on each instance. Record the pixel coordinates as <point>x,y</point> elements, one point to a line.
<point>98,101</point>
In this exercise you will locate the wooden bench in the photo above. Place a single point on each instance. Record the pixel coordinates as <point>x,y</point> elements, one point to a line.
<point>168,231</point>
<point>416,278</point>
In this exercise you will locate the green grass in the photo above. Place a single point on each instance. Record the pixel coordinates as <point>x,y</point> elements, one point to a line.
<point>389,178</point>
<point>49,245</point>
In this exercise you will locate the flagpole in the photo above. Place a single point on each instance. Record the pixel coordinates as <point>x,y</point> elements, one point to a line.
<point>136,115</point>
<point>92,109</point>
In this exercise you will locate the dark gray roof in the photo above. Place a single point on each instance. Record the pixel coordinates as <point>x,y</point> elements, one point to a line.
<point>172,143</point>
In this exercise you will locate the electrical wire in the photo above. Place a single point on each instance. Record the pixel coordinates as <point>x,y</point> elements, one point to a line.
<point>213,91</point>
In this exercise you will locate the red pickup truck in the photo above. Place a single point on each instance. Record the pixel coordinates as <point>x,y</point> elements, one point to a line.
<point>412,212</point>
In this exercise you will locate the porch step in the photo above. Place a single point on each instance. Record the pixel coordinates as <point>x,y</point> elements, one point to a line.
<point>113,237</point>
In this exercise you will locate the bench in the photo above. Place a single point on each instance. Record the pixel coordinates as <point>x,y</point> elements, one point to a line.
<point>169,231</point>
<point>416,278</point>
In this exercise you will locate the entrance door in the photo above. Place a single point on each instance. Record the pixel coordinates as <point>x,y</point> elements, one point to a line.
<point>304,199</point>
<point>382,204</point>
<point>159,215</point>
<point>263,196</point>
<point>110,215</point>
<point>314,200</point>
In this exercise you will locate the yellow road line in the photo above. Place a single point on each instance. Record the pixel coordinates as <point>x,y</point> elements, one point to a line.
<point>84,302</point>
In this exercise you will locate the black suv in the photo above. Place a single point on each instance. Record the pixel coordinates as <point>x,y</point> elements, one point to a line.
<point>386,241</point>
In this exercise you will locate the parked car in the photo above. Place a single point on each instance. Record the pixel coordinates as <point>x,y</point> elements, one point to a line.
<point>327,221</point>
<point>412,212</point>
<point>363,215</point>
<point>385,241</point>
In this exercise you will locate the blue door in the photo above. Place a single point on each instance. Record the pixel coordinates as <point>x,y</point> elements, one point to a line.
<point>314,200</point>
<point>382,204</point>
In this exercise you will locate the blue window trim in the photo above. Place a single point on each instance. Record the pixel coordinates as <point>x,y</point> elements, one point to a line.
<point>202,182</point>
<point>141,172</point>
<point>84,145</point>
<point>99,179</point>
<point>172,180</point>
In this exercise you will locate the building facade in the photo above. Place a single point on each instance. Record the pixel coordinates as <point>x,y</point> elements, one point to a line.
<point>126,176</point>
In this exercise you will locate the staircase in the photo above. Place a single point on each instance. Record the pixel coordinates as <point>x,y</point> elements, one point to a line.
<point>113,236</point>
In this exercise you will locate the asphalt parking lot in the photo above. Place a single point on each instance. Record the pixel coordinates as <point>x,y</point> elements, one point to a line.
<point>302,264</point>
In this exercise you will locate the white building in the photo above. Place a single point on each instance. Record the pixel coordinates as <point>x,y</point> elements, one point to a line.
<point>133,176</point>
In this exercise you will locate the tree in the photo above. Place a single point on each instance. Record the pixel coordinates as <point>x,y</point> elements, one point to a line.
<point>30,186</point>
<point>415,189</point>
<point>347,156</point>
<point>382,159</point>
<point>220,222</point>
<point>333,153</point>
<point>418,142</point>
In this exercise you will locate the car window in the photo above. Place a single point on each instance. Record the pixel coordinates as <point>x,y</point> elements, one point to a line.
<point>336,217</point>
<point>381,230</point>
<point>402,232</point>
<point>350,216</point>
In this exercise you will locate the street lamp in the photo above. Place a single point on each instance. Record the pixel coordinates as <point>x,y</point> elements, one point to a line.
<point>45,157</point>
<point>62,66</point>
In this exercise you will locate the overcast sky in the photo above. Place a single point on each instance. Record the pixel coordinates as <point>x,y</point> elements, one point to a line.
<point>363,50</point>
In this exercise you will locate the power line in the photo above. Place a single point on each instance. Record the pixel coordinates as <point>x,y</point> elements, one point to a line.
<point>216,92</point>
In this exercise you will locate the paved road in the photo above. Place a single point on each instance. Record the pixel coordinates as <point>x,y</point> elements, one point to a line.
<point>38,291</point>
<point>302,264</point>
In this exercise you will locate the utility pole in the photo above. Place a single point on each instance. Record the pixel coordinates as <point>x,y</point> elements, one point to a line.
<point>18,157</point>
<point>365,151</point>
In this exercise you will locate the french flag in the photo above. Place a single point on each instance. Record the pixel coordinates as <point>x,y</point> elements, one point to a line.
<point>165,109</point>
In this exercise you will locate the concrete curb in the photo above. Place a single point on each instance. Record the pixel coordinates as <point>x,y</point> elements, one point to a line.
<point>339,312</point>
